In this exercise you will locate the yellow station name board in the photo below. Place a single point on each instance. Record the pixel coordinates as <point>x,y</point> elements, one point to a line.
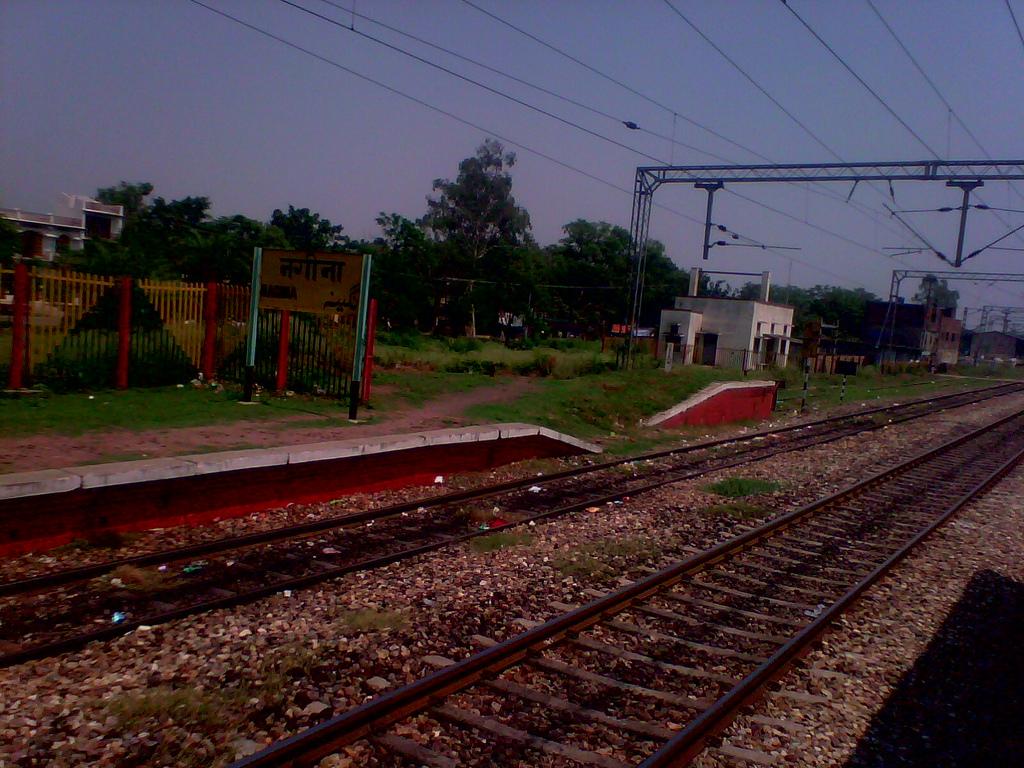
<point>311,282</point>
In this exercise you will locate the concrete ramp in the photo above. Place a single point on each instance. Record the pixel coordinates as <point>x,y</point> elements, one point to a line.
<point>43,509</point>
<point>721,403</point>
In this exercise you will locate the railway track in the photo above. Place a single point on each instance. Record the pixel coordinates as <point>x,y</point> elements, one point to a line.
<point>61,611</point>
<point>648,674</point>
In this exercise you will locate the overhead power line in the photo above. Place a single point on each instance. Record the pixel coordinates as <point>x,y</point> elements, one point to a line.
<point>1016,24</point>
<point>764,91</point>
<point>660,104</point>
<point>525,147</point>
<point>438,110</point>
<point>754,82</point>
<point>935,89</point>
<point>611,79</point>
<point>349,28</point>
<point>466,78</point>
<point>542,89</point>
<point>859,79</point>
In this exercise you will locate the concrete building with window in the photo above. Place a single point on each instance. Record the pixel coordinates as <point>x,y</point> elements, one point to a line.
<point>727,332</point>
<point>76,219</point>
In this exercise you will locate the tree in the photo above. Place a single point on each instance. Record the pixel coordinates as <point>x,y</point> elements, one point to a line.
<point>131,195</point>
<point>404,273</point>
<point>10,242</point>
<point>307,231</point>
<point>932,290</point>
<point>476,221</point>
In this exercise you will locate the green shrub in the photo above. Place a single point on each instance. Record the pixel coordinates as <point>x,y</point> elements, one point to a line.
<point>464,344</point>
<point>408,339</point>
<point>735,487</point>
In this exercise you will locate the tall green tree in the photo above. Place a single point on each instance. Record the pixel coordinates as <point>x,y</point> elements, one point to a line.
<point>932,290</point>
<point>10,242</point>
<point>477,224</point>
<point>404,273</point>
<point>308,231</point>
<point>132,195</point>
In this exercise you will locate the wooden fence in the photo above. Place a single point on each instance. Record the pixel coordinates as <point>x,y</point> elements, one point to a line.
<point>72,330</point>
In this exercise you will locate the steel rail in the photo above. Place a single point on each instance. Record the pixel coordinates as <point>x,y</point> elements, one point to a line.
<point>249,595</point>
<point>82,573</point>
<point>73,642</point>
<point>692,739</point>
<point>313,744</point>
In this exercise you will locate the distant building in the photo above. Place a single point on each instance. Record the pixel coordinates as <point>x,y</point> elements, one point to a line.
<point>913,332</point>
<point>78,218</point>
<point>728,332</point>
<point>996,345</point>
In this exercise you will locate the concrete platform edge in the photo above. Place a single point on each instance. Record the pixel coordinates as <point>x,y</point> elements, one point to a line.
<point>56,481</point>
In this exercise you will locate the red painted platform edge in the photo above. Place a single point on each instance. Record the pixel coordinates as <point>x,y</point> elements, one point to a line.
<point>37,523</point>
<point>727,406</point>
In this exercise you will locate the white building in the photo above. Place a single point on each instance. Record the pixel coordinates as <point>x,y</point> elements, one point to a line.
<point>733,333</point>
<point>77,219</point>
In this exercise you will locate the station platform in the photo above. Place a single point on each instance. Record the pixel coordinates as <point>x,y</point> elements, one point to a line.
<point>721,403</point>
<point>50,507</point>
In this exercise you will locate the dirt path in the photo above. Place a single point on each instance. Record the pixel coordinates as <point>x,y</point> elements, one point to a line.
<point>43,451</point>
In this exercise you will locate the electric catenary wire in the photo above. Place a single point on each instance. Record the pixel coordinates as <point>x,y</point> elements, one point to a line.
<point>440,110</point>
<point>542,89</point>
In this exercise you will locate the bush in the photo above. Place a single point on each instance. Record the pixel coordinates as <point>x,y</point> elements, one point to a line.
<point>408,338</point>
<point>540,365</point>
<point>464,344</point>
<point>472,365</point>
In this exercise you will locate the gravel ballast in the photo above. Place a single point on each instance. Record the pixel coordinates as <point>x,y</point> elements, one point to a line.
<point>213,687</point>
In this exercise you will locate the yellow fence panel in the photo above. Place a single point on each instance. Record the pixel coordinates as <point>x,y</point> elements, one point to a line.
<point>57,303</point>
<point>180,306</point>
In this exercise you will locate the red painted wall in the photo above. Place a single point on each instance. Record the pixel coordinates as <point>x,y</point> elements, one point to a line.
<point>36,523</point>
<point>727,406</point>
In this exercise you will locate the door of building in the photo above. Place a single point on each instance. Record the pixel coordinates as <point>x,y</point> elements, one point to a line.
<point>709,353</point>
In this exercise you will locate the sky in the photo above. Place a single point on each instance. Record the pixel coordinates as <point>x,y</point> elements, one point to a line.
<point>97,91</point>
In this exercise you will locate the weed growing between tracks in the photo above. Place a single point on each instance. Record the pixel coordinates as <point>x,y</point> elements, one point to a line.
<point>374,619</point>
<point>498,541</point>
<point>739,510</point>
<point>737,487</point>
<point>601,560</point>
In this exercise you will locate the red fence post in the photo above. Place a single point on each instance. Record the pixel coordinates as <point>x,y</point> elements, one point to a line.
<point>124,333</point>
<point>282,350</point>
<point>209,360</point>
<point>19,332</point>
<point>371,334</point>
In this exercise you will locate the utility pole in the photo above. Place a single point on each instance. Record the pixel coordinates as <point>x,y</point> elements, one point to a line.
<point>711,188</point>
<point>966,186</point>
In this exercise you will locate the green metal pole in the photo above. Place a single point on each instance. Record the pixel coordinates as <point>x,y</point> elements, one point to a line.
<point>254,316</point>
<point>357,363</point>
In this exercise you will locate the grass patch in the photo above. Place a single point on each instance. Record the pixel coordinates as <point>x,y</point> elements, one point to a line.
<point>185,706</point>
<point>737,487</point>
<point>563,358</point>
<point>738,510</point>
<point>154,408</point>
<point>603,403</point>
<point>417,387</point>
<point>498,541</point>
<point>606,558</point>
<point>374,620</point>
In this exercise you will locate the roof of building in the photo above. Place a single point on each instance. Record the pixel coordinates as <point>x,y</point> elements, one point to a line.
<point>737,298</point>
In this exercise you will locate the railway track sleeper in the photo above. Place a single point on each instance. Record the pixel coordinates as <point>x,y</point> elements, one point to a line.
<point>723,608</point>
<point>354,521</point>
<point>697,623</point>
<point>591,644</point>
<point>604,611</point>
<point>712,587</point>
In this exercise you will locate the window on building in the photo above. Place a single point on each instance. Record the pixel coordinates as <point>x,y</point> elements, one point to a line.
<point>757,343</point>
